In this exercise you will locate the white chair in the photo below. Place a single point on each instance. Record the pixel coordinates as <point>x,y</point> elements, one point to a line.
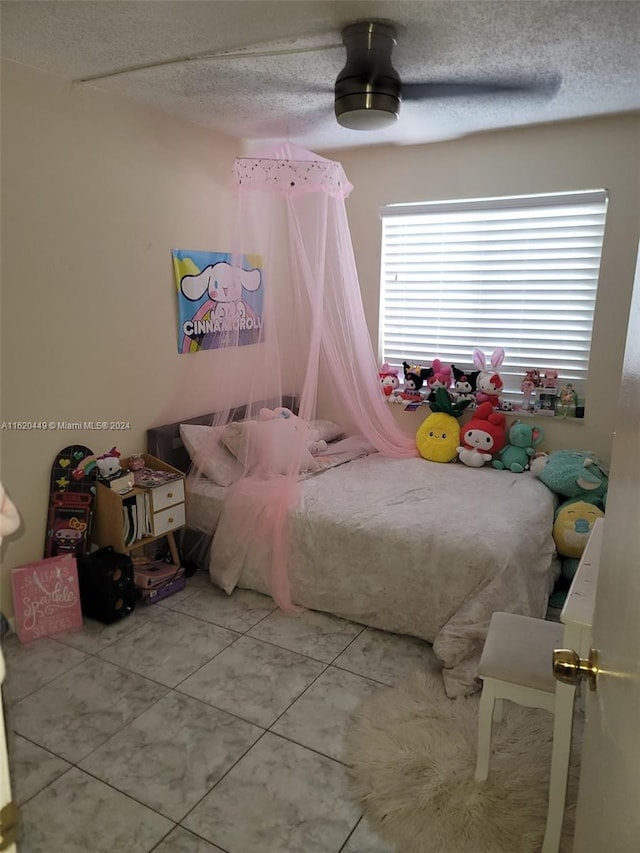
<point>517,664</point>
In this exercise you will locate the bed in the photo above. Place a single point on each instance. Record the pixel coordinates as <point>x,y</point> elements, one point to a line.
<point>403,545</point>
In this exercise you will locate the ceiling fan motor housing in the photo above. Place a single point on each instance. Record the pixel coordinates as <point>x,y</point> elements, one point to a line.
<point>368,91</point>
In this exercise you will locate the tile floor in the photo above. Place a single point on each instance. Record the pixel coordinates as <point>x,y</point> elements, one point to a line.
<point>203,723</point>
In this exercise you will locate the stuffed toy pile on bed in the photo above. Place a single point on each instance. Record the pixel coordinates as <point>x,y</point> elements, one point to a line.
<point>582,481</point>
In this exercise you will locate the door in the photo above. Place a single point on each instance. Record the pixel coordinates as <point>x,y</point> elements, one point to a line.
<point>608,816</point>
<point>5,784</point>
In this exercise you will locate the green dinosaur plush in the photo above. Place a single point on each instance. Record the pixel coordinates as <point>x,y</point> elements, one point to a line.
<point>573,474</point>
<point>516,455</point>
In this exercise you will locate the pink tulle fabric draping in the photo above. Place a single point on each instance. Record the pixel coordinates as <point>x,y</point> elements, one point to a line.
<point>314,342</point>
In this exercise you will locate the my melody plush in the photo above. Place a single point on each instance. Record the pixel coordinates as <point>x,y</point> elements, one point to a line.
<point>482,437</point>
<point>516,456</point>
<point>440,378</point>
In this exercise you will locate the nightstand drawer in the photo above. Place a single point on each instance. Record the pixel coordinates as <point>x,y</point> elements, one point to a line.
<point>167,520</point>
<point>167,495</point>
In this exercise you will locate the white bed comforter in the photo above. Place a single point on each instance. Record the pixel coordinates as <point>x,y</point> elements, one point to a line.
<point>408,546</point>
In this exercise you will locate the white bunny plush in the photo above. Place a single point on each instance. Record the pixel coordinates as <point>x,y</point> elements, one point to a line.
<point>489,384</point>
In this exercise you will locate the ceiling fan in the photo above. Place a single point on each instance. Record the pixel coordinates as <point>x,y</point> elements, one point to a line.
<point>368,91</point>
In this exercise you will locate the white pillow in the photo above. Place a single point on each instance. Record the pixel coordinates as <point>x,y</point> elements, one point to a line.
<point>267,443</point>
<point>216,463</point>
<point>328,430</point>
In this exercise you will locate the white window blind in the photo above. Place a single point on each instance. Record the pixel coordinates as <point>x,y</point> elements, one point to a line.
<point>519,273</point>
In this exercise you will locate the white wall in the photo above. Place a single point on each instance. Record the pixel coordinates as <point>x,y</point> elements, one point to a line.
<point>97,191</point>
<point>95,194</point>
<point>560,157</point>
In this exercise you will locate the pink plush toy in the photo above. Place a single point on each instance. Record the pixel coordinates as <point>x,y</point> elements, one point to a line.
<point>314,443</point>
<point>489,384</point>
<point>440,378</point>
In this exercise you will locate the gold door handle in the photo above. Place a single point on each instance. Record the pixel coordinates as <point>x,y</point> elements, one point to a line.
<point>9,820</point>
<point>569,668</point>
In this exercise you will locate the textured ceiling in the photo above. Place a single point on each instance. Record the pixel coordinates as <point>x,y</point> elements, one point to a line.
<point>594,46</point>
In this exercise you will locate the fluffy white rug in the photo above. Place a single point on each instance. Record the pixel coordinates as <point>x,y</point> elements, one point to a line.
<point>412,753</point>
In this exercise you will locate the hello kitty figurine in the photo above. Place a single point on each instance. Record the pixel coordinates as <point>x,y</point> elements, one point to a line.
<point>489,384</point>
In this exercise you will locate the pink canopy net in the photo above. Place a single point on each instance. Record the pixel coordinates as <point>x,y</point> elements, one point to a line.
<point>297,330</point>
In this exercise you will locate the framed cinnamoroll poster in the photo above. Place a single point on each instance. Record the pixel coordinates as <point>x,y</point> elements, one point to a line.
<point>220,303</point>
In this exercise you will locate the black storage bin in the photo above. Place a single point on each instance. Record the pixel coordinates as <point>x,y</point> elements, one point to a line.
<point>107,591</point>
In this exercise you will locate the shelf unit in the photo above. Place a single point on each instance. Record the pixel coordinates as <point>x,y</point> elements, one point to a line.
<point>167,503</point>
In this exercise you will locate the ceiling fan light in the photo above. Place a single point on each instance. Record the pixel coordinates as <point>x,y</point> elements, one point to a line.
<point>367,111</point>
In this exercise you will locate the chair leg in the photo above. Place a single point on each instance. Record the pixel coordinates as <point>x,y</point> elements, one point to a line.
<point>485,718</point>
<point>497,710</point>
<point>562,724</point>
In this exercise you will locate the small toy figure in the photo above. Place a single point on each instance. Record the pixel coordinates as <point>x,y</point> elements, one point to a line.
<point>567,400</point>
<point>528,387</point>
<point>550,379</point>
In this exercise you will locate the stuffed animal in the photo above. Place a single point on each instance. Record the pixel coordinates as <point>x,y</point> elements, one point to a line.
<point>389,381</point>
<point>489,384</point>
<point>574,520</point>
<point>516,456</point>
<point>109,464</point>
<point>580,478</point>
<point>483,436</point>
<point>314,443</point>
<point>440,378</point>
<point>438,436</point>
<point>464,386</point>
<point>414,378</point>
<point>573,474</point>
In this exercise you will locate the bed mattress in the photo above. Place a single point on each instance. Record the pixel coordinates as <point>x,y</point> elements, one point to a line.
<point>407,546</point>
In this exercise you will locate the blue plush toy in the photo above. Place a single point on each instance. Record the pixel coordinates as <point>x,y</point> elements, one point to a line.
<point>517,454</point>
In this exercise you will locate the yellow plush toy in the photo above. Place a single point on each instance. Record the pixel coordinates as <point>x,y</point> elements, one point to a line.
<point>438,436</point>
<point>572,527</point>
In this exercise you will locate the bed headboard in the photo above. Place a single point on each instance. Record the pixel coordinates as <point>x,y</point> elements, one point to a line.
<point>164,441</point>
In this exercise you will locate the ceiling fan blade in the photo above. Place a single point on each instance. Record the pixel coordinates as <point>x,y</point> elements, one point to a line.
<point>546,87</point>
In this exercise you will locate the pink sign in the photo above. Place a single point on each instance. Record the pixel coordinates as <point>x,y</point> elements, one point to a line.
<point>46,597</point>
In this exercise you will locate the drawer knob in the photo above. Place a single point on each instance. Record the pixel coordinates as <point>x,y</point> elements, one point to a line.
<point>170,520</point>
<point>169,494</point>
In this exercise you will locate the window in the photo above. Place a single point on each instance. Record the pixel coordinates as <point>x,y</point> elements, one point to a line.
<point>519,273</point>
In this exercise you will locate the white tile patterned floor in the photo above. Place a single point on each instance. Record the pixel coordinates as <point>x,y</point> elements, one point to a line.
<point>203,723</point>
